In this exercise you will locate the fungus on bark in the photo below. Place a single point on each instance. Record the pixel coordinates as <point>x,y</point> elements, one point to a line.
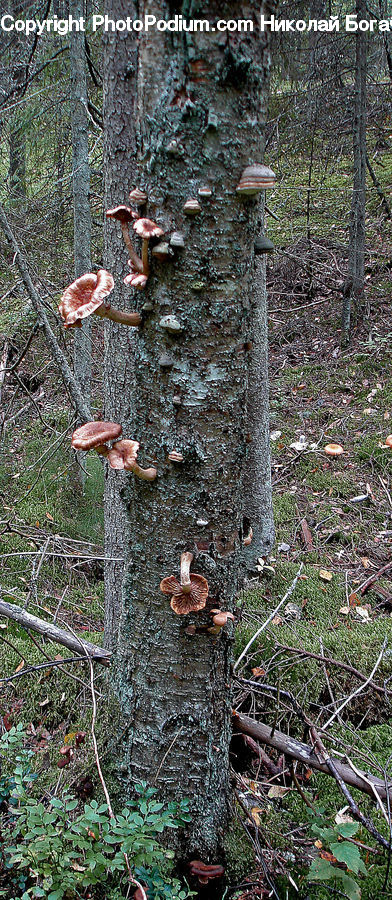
<point>333,449</point>
<point>125,215</point>
<point>146,229</point>
<point>205,191</point>
<point>177,240</point>
<point>94,435</point>
<point>86,296</point>
<point>254,179</point>
<point>162,251</point>
<point>175,456</point>
<point>190,593</point>
<point>263,244</point>
<point>221,618</point>
<point>123,454</point>
<point>171,324</point>
<point>138,197</point>
<point>136,279</point>
<point>191,207</point>
<point>203,872</point>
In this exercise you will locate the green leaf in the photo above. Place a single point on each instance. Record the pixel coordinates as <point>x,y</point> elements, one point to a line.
<point>350,855</point>
<point>350,887</point>
<point>347,829</point>
<point>321,870</point>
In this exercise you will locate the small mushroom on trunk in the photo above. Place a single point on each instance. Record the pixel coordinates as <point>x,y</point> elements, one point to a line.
<point>138,197</point>
<point>94,435</point>
<point>190,593</point>
<point>124,215</point>
<point>86,296</point>
<point>123,454</point>
<point>146,229</point>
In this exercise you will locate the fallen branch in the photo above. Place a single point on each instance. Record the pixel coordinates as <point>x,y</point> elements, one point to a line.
<point>303,753</point>
<point>67,375</point>
<point>58,635</point>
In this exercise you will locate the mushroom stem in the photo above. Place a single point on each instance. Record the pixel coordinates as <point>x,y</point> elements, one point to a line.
<point>135,259</point>
<point>185,580</point>
<point>144,474</point>
<point>146,265</point>
<point>102,449</point>
<point>116,315</point>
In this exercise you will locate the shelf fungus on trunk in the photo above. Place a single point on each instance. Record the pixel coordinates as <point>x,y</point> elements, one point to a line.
<point>94,436</point>
<point>87,295</point>
<point>255,179</point>
<point>190,593</point>
<point>146,229</point>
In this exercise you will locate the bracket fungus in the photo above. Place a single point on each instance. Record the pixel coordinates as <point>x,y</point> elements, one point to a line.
<point>263,245</point>
<point>125,215</point>
<point>177,240</point>
<point>171,324</point>
<point>162,251</point>
<point>86,296</point>
<point>94,435</point>
<point>146,229</point>
<point>191,207</point>
<point>138,197</point>
<point>175,456</point>
<point>205,192</point>
<point>190,593</point>
<point>254,179</point>
<point>203,872</point>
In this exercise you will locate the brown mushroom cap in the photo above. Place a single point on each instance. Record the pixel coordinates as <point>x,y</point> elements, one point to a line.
<point>121,213</point>
<point>122,454</point>
<point>83,297</point>
<point>145,228</point>
<point>333,449</point>
<point>388,440</point>
<point>221,618</point>
<point>95,433</point>
<point>136,280</point>
<point>191,207</point>
<point>204,872</point>
<point>183,603</point>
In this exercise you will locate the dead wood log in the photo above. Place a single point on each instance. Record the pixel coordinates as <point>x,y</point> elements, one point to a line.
<point>303,753</point>
<point>58,635</point>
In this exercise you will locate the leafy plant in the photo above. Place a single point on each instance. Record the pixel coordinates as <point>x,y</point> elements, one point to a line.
<point>338,857</point>
<point>49,850</point>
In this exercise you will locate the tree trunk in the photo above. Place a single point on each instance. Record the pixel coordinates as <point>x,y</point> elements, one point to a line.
<point>120,67</point>
<point>200,114</point>
<point>258,513</point>
<point>81,204</point>
<point>353,288</point>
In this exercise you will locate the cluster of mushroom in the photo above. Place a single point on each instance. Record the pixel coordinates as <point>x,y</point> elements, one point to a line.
<point>190,593</point>
<point>121,455</point>
<point>145,229</point>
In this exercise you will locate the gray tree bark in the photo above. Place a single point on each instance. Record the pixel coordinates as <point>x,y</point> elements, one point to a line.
<point>81,208</point>
<point>200,114</point>
<point>354,284</point>
<point>257,488</point>
<point>120,68</point>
